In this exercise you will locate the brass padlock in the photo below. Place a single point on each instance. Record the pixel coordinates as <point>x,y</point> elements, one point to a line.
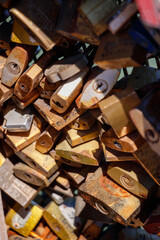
<point>116,110</point>
<point>119,51</point>
<point>149,160</point>
<point>16,62</point>
<point>32,76</point>
<point>47,139</point>
<point>132,177</point>
<point>77,137</point>
<point>53,118</point>
<point>146,119</point>
<point>24,220</point>
<point>98,86</point>
<point>67,92</point>
<point>110,199</point>
<point>58,222</point>
<point>30,175</point>
<point>39,19</point>
<point>42,163</point>
<point>129,143</point>
<point>88,153</point>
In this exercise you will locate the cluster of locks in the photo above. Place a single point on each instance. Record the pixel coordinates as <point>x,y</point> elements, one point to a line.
<point>80,122</point>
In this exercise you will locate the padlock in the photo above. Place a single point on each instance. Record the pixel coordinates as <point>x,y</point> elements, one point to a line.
<point>98,86</point>
<point>77,137</point>
<point>142,37</point>
<point>16,62</point>
<point>30,175</point>
<point>32,76</point>
<point>97,14</point>
<point>116,110</point>
<point>119,51</point>
<point>21,36</point>
<point>124,13</point>
<point>88,153</point>
<point>132,177</point>
<point>66,68</point>
<point>24,220</point>
<point>58,223</point>
<point>149,160</point>
<point>129,143</point>
<point>116,156</point>
<point>146,119</point>
<point>47,139</point>
<point>3,232</point>
<point>72,25</point>
<point>78,175</point>
<point>42,163</point>
<point>153,222</point>
<point>47,86</point>
<point>53,118</point>
<point>38,19</point>
<point>110,199</point>
<point>67,92</point>
<point>23,103</point>
<point>17,120</point>
<point>16,189</point>
<point>18,141</point>
<point>84,122</point>
<point>149,12</point>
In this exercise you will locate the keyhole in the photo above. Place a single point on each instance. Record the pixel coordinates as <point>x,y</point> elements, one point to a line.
<point>100,86</point>
<point>13,68</point>
<point>57,103</point>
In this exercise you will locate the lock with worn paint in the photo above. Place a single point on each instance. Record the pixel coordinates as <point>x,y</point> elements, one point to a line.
<point>109,198</point>
<point>54,217</point>
<point>129,143</point>
<point>54,119</point>
<point>67,92</point>
<point>32,76</point>
<point>24,220</point>
<point>132,177</point>
<point>98,86</point>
